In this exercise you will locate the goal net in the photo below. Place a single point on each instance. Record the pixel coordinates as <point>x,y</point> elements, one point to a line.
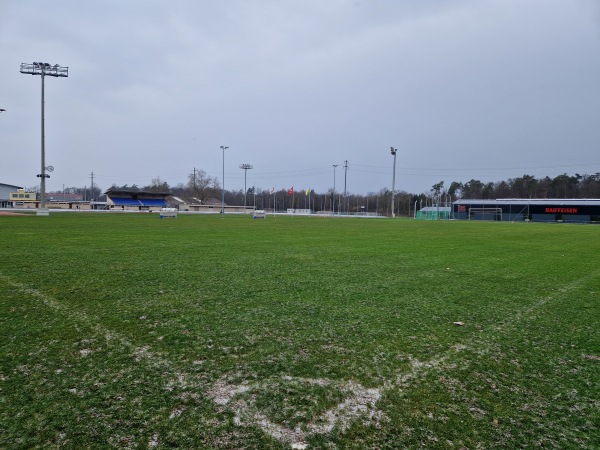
<point>485,214</point>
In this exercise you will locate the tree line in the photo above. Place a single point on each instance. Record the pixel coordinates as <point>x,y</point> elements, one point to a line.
<point>527,186</point>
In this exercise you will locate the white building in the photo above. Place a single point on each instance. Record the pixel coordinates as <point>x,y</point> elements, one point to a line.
<point>5,190</point>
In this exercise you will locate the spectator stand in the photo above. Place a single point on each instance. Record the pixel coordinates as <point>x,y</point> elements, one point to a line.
<point>135,200</point>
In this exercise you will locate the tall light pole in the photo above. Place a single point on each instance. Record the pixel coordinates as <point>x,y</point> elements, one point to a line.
<point>333,196</point>
<point>393,151</point>
<point>223,185</point>
<point>43,69</point>
<point>245,167</point>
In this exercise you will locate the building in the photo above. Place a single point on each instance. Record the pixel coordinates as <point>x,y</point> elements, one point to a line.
<point>19,198</point>
<point>209,206</point>
<point>530,210</point>
<point>63,197</point>
<point>6,190</point>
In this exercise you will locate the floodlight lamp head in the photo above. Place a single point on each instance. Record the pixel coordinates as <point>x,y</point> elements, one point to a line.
<point>393,150</point>
<point>40,68</point>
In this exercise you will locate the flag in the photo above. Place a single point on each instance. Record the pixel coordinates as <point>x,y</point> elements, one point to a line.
<point>307,192</point>
<point>291,191</point>
<point>273,190</point>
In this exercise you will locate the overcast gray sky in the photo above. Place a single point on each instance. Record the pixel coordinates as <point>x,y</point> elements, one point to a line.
<point>485,89</point>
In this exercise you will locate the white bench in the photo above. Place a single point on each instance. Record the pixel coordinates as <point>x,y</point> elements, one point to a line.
<point>168,213</point>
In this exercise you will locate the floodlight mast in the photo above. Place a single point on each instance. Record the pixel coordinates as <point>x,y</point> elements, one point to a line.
<point>43,69</point>
<point>245,167</point>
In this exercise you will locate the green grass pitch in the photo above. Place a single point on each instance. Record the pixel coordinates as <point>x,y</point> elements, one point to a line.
<point>128,331</point>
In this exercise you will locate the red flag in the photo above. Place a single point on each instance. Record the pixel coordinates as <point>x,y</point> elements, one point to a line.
<point>291,191</point>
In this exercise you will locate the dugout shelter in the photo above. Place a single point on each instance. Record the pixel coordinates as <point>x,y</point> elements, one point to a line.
<point>434,213</point>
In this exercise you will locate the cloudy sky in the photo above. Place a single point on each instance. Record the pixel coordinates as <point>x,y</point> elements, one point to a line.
<point>484,89</point>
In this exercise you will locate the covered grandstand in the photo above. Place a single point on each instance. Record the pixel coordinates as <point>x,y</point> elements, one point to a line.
<point>134,200</point>
<point>529,210</point>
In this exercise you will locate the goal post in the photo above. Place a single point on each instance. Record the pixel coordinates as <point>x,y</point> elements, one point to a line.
<point>493,214</point>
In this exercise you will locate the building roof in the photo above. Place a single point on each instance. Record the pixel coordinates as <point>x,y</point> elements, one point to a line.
<point>60,197</point>
<point>119,201</point>
<point>10,186</point>
<point>135,193</point>
<point>436,209</point>
<point>178,200</point>
<point>531,201</point>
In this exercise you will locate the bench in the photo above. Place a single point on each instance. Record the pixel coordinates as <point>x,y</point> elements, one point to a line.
<point>168,213</point>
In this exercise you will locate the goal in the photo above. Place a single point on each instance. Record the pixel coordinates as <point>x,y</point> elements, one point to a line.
<point>485,214</point>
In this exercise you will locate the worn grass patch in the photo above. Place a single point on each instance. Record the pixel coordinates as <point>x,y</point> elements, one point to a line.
<point>201,332</point>
<point>292,404</point>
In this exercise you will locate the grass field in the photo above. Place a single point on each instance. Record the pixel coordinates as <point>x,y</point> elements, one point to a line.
<point>129,331</point>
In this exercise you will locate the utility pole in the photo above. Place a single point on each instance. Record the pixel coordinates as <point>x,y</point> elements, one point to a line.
<point>223,147</point>
<point>333,196</point>
<point>92,188</point>
<point>393,151</point>
<point>345,193</point>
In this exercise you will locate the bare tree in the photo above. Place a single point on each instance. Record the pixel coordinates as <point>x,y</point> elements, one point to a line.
<point>157,185</point>
<point>201,185</point>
